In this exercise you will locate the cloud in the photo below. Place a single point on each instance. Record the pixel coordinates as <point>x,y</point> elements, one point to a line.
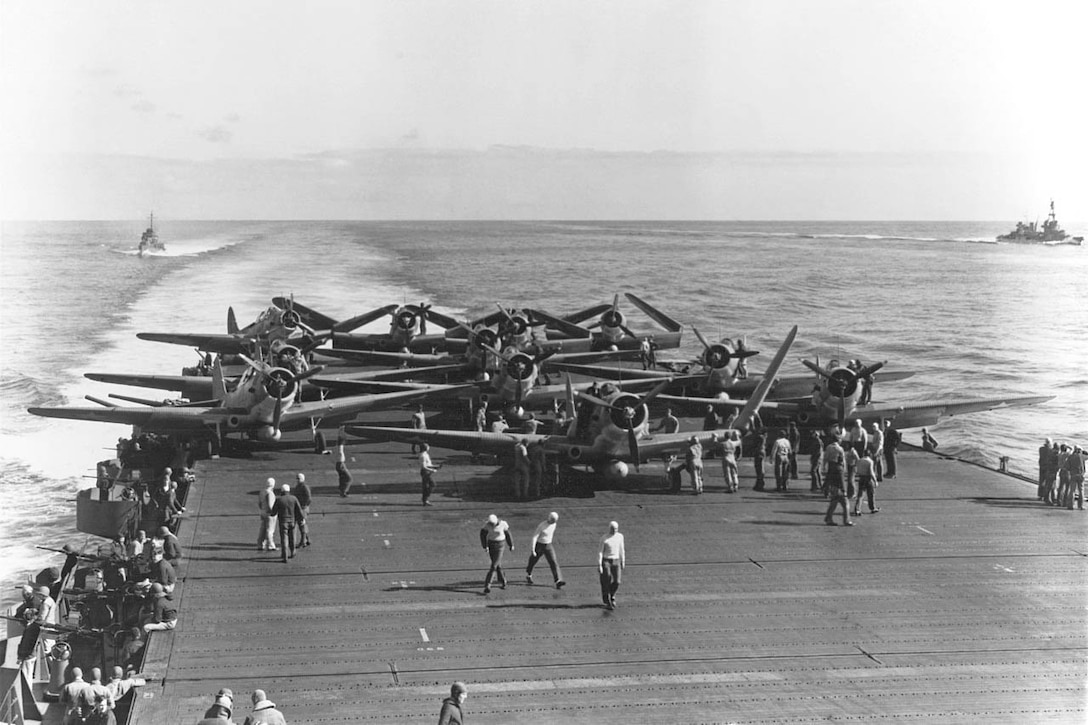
<point>143,106</point>
<point>232,118</point>
<point>215,134</point>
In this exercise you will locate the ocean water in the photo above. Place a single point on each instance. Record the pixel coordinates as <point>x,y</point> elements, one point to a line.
<point>971,318</point>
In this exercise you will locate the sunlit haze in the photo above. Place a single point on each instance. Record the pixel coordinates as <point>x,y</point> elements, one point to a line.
<point>717,110</point>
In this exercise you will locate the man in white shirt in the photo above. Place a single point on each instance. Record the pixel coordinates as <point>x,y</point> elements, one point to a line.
<point>266,499</point>
<point>495,537</point>
<point>541,545</point>
<point>611,560</point>
<point>426,472</point>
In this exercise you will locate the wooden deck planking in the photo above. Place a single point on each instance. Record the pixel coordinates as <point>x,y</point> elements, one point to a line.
<point>963,599</point>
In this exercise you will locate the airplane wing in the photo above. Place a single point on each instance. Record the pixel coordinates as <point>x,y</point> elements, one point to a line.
<point>358,321</point>
<point>383,380</point>
<point>582,315</point>
<point>458,440</point>
<point>193,387</point>
<point>689,403</point>
<point>567,328</point>
<point>371,357</point>
<point>799,387</point>
<point>604,372</point>
<point>342,409</point>
<point>221,343</point>
<point>167,418</point>
<point>310,317</point>
<point>653,313</point>
<point>917,414</point>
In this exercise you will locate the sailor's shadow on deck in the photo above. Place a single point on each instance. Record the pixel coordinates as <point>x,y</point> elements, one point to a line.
<point>1009,502</point>
<point>542,605</point>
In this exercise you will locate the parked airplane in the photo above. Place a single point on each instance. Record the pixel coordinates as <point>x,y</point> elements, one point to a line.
<point>616,435</point>
<point>280,322</point>
<point>261,405</point>
<point>837,396</point>
<point>611,328</point>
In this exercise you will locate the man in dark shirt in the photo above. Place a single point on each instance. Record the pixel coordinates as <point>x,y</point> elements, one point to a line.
<point>891,448</point>
<point>288,513</point>
<point>302,493</point>
<point>164,613</point>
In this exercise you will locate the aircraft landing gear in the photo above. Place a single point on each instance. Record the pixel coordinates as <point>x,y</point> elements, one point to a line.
<point>320,446</point>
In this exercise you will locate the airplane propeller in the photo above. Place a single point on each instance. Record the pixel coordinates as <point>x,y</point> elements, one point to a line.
<point>629,412</point>
<point>614,318</point>
<point>718,356</point>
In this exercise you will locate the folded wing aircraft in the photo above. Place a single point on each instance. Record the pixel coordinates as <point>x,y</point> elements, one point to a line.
<point>610,433</point>
<point>261,405</point>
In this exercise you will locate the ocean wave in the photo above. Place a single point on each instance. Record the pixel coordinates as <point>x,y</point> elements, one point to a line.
<point>23,390</point>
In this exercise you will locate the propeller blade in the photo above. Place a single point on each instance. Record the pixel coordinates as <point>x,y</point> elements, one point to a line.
<point>867,371</point>
<point>319,338</point>
<point>260,367</point>
<point>656,392</point>
<point>276,414</point>
<point>814,367</point>
<point>632,446</point>
<point>699,335</point>
<point>745,353</point>
<point>627,331</point>
<point>570,397</point>
<point>232,322</point>
<point>842,415</point>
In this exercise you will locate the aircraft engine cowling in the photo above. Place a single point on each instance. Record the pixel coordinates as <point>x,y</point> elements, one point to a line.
<point>290,319</point>
<point>574,454</point>
<point>484,338</point>
<point>405,320</point>
<point>718,356</point>
<point>843,383</point>
<point>280,383</point>
<point>520,367</point>
<point>233,421</point>
<point>627,412</point>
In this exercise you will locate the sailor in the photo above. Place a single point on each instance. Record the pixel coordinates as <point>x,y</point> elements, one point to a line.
<point>536,468</point>
<point>161,572</point>
<point>780,456</point>
<point>164,613</point>
<point>742,363</point>
<point>669,424</point>
<point>266,499</point>
<point>1075,464</point>
<point>451,707</point>
<point>611,561</point>
<point>876,450</point>
<point>288,512</point>
<point>1044,464</point>
<point>521,469</point>
<point>758,456</point>
<point>729,460</point>
<point>892,439</point>
<point>70,697</point>
<point>264,711</point>
<point>644,353</point>
<point>859,439</point>
<point>541,545</point>
<point>693,458</point>
<point>419,422</point>
<point>814,462</point>
<point>500,425</point>
<point>711,421</point>
<point>495,537</point>
<point>866,484</point>
<point>171,549</point>
<point>426,473</point>
<point>794,435</point>
<point>929,443</point>
<point>305,498</point>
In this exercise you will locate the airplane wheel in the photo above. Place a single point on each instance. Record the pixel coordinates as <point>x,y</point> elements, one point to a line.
<point>319,442</point>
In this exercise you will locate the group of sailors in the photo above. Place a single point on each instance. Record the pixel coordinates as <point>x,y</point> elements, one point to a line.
<point>1061,474</point>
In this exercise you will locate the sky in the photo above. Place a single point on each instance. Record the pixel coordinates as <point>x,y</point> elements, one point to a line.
<point>762,109</point>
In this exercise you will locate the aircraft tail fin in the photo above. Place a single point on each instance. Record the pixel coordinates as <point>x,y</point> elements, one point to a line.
<point>219,388</point>
<point>764,387</point>
<point>232,322</point>
<point>654,314</point>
